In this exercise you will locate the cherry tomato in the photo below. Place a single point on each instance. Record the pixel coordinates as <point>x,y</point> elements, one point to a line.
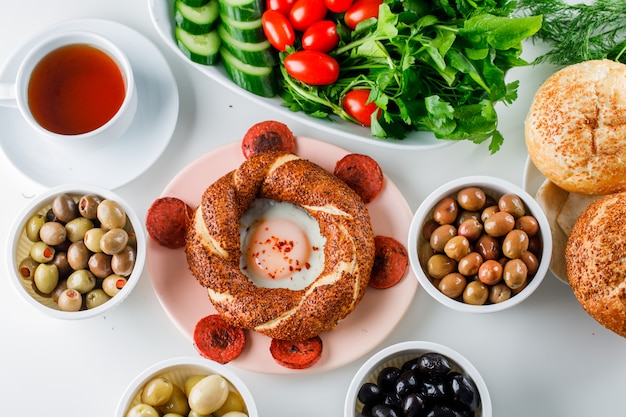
<point>312,67</point>
<point>338,6</point>
<point>282,6</point>
<point>306,12</point>
<point>277,29</point>
<point>354,104</point>
<point>320,36</point>
<point>361,10</point>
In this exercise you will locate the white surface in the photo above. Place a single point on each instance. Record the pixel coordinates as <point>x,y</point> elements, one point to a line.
<point>545,357</point>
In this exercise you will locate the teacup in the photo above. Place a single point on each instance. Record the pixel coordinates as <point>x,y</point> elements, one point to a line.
<point>75,89</point>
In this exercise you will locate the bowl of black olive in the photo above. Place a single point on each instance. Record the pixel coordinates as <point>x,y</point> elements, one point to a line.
<point>415,379</point>
<point>76,251</point>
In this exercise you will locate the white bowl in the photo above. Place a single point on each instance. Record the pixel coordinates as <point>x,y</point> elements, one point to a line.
<point>177,370</point>
<point>19,246</point>
<point>396,355</point>
<point>494,187</point>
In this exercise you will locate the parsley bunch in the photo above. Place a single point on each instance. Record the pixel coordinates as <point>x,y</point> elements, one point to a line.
<point>436,66</point>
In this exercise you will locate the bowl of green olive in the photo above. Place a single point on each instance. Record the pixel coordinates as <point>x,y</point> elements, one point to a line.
<point>479,244</point>
<point>187,386</point>
<point>417,378</point>
<point>76,251</point>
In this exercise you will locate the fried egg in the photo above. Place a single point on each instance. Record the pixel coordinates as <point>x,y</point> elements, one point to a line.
<point>281,245</point>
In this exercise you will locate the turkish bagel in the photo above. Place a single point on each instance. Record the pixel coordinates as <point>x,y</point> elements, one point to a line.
<point>213,247</point>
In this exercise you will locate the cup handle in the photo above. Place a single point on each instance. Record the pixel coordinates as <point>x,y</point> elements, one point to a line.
<point>8,95</point>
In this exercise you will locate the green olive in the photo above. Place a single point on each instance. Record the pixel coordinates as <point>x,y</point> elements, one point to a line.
<point>111,214</point>
<point>142,410</point>
<point>95,298</point>
<point>457,247</point>
<point>93,237</point>
<point>440,265</point>
<point>27,267</point>
<point>177,404</point>
<point>82,281</point>
<point>70,300</point>
<point>157,391</point>
<point>113,284</point>
<point>46,278</point>
<point>88,206</point>
<point>100,265</point>
<point>234,403</point>
<point>64,208</point>
<point>471,198</point>
<point>78,255</point>
<point>76,228</point>
<point>209,394</point>
<point>452,285</point>
<point>441,235</point>
<point>52,233</point>
<point>475,293</point>
<point>123,263</point>
<point>114,241</point>
<point>191,381</point>
<point>42,252</point>
<point>33,225</point>
<point>512,204</point>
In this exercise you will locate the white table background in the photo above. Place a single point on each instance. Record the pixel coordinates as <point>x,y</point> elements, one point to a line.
<point>545,357</point>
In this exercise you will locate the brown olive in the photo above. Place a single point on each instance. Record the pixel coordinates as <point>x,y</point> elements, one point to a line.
<point>469,264</point>
<point>113,284</point>
<point>466,215</point>
<point>446,210</point>
<point>100,265</point>
<point>111,214</point>
<point>452,284</point>
<point>61,286</point>
<point>471,229</point>
<point>475,293</point>
<point>439,265</point>
<point>95,298</point>
<point>457,247</point>
<point>52,233</point>
<point>441,235</point>
<point>471,198</point>
<point>490,272</point>
<point>60,260</point>
<point>33,225</point>
<point>535,245</point>
<point>424,252</point>
<point>114,241</point>
<point>488,247</point>
<point>429,227</point>
<point>64,208</point>
<point>76,228</point>
<point>515,243</point>
<point>123,263</point>
<point>528,224</point>
<point>78,255</point>
<point>512,204</point>
<point>88,206</point>
<point>487,212</point>
<point>70,300</point>
<point>93,237</point>
<point>27,267</point>
<point>498,293</point>
<point>515,273</point>
<point>531,261</point>
<point>499,224</point>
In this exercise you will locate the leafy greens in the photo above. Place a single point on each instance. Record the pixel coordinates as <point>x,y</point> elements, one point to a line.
<point>436,66</point>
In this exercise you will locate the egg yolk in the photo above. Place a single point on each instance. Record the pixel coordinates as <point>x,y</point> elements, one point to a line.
<point>278,248</point>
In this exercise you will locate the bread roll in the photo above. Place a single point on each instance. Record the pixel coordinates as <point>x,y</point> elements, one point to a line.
<point>576,128</point>
<point>595,258</point>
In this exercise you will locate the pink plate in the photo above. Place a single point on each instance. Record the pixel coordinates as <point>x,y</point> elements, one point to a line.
<point>186,302</point>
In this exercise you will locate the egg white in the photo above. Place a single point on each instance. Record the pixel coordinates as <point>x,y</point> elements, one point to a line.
<point>262,209</point>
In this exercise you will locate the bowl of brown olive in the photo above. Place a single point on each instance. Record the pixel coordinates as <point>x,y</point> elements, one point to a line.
<point>187,386</point>
<point>417,378</point>
<point>76,251</point>
<point>479,244</point>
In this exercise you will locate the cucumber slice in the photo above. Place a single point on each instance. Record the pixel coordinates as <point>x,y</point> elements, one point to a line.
<point>257,80</point>
<point>250,31</point>
<point>202,49</point>
<point>261,54</point>
<point>242,10</point>
<point>195,3</point>
<point>196,20</point>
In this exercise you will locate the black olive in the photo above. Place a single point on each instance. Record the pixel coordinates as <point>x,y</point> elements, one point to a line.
<point>387,378</point>
<point>433,364</point>
<point>369,393</point>
<point>413,405</point>
<point>464,391</point>
<point>411,365</point>
<point>444,411</point>
<point>393,400</point>
<point>381,410</point>
<point>434,388</point>
<point>407,383</point>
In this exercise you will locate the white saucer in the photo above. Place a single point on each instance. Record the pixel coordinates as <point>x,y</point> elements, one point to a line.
<point>123,160</point>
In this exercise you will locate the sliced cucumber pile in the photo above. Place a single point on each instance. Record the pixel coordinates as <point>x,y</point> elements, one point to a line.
<point>207,30</point>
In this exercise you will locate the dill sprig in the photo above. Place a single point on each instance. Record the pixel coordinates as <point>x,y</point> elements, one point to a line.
<point>580,32</point>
